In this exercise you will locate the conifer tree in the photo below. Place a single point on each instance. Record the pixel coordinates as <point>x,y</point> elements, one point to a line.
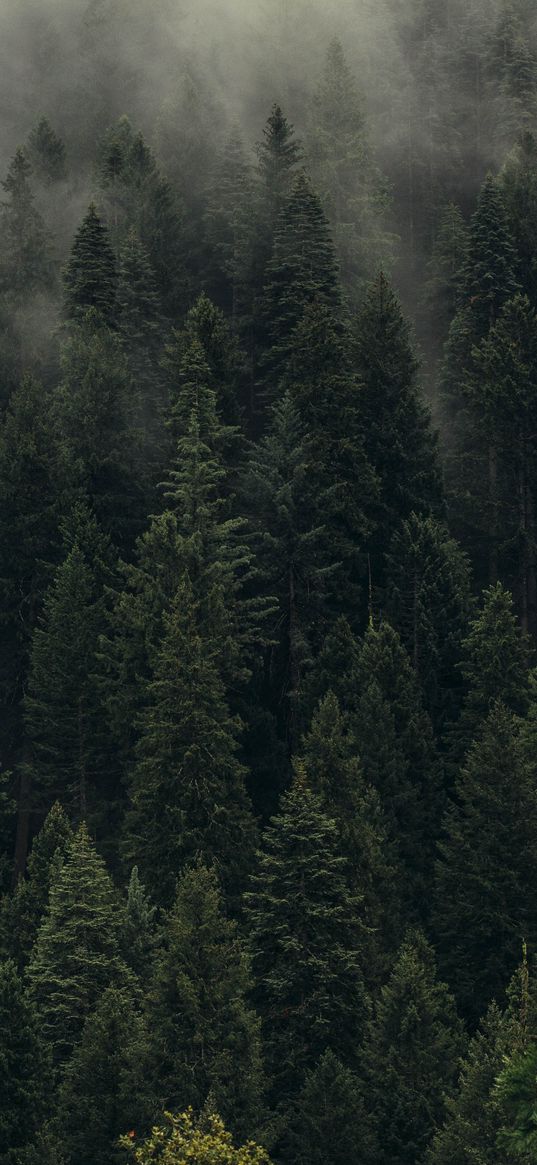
<point>104,1088</point>
<point>446,271</point>
<point>46,153</point>
<point>308,943</point>
<point>90,277</point>
<point>229,230</point>
<point>139,934</point>
<point>22,911</point>
<point>494,666</point>
<point>302,270</point>
<point>345,173</point>
<point>187,790</point>
<point>518,186</point>
<point>485,904</point>
<point>26,266</point>
<point>207,324</point>
<point>334,772</point>
<point>334,669</point>
<point>328,1124</point>
<point>25,1072</point>
<point>411,1056</point>
<point>205,1035</point>
<point>395,742</point>
<point>279,155</point>
<point>76,953</point>
<point>398,438</point>
<point>429,604</point>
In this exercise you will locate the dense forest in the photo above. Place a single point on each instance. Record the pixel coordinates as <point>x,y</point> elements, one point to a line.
<point>268,582</point>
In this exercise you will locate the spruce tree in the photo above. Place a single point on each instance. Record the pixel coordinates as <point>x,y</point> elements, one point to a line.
<point>411,1056</point>
<point>307,935</point>
<point>90,277</point>
<point>328,1124</point>
<point>207,324</point>
<point>485,903</point>
<point>76,953</point>
<point>46,153</point>
<point>26,267</point>
<point>229,231</point>
<point>23,910</point>
<point>104,1089</point>
<point>518,186</point>
<point>25,1071</point>
<point>302,270</point>
<point>398,438</point>
<point>443,291</point>
<point>187,789</point>
<point>396,745</point>
<point>279,154</point>
<point>205,1036</point>
<point>140,935</point>
<point>429,604</point>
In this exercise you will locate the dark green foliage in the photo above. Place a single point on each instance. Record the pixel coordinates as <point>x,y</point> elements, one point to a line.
<point>206,323</point>
<point>24,1070</point>
<point>485,903</point>
<point>23,910</point>
<point>518,185</point>
<point>140,936</point>
<point>308,941</point>
<point>447,270</point>
<point>90,277</point>
<point>429,603</point>
<point>398,438</point>
<point>76,954</point>
<point>187,790</point>
<point>516,1099</point>
<point>229,230</point>
<point>411,1055</point>
<point>396,745</point>
<point>205,1035</point>
<point>328,1124</point>
<point>104,1089</point>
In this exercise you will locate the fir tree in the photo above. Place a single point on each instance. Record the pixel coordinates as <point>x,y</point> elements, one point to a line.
<point>279,155</point>
<point>518,186</point>
<point>104,1088</point>
<point>187,790</point>
<point>398,438</point>
<point>484,897</point>
<point>229,230</point>
<point>76,953</point>
<point>410,1058</point>
<point>429,603</point>
<point>308,943</point>
<point>207,324</point>
<point>139,934</point>
<point>46,153</point>
<point>90,277</point>
<point>446,271</point>
<point>328,1124</point>
<point>205,1035</point>
<point>26,266</point>
<point>22,911</point>
<point>25,1073</point>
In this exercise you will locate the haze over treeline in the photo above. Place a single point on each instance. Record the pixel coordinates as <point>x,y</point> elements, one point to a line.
<point>268,582</point>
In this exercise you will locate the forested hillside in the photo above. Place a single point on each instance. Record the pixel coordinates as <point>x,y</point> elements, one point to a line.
<point>268,582</point>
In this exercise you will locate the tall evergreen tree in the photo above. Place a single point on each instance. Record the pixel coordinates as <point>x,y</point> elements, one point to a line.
<point>229,231</point>
<point>328,1124</point>
<point>411,1056</point>
<point>140,935</point>
<point>76,954</point>
<point>205,1035</point>
<point>23,910</point>
<point>26,267</point>
<point>46,153</point>
<point>485,905</point>
<point>518,186</point>
<point>90,277</point>
<point>308,943</point>
<point>25,1072</point>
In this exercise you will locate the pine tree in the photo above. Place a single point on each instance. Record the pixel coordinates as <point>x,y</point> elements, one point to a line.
<point>308,942</point>
<point>229,231</point>
<point>141,327</point>
<point>279,155</point>
<point>104,1088</point>
<point>515,1096</point>
<point>25,1074</point>
<point>187,789</point>
<point>518,186</point>
<point>46,153</point>
<point>207,324</point>
<point>23,910</point>
<point>395,742</point>
<point>26,266</point>
<point>62,712</point>
<point>345,173</point>
<point>443,291</point>
<point>429,604</point>
<point>410,1058</point>
<point>484,897</point>
<point>302,270</point>
<point>90,277</point>
<point>328,1124</point>
<point>205,1035</point>
<point>139,934</point>
<point>334,669</point>
<point>334,772</point>
<point>398,438</point>
<point>76,954</point>
<point>494,666</point>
